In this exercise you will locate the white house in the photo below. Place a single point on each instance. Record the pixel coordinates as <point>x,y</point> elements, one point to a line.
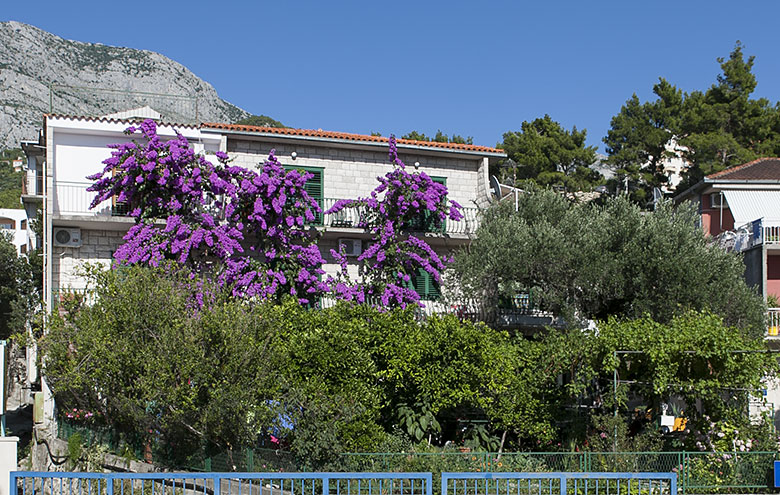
<point>13,222</point>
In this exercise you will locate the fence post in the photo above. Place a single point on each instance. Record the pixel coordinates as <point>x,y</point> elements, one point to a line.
<point>109,479</point>
<point>217,485</point>
<point>325,486</point>
<point>673,485</point>
<point>563,484</point>
<point>250,459</point>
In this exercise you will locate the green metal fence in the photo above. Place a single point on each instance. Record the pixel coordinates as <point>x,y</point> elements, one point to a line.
<point>699,472</point>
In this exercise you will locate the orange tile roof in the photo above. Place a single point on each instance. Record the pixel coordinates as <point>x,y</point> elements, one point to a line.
<point>284,131</point>
<point>767,168</point>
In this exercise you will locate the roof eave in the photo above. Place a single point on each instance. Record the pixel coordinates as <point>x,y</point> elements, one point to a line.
<point>352,142</point>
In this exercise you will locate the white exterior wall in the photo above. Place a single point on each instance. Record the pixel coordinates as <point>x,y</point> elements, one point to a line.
<point>76,149</point>
<point>19,236</point>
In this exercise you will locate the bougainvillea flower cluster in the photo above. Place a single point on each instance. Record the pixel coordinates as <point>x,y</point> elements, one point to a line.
<point>399,206</point>
<point>204,215</point>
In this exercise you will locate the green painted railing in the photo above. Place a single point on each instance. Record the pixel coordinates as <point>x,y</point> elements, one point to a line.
<point>699,472</point>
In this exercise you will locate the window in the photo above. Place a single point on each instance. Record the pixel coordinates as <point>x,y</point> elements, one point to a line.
<point>718,200</point>
<point>24,224</point>
<point>7,223</point>
<point>313,187</point>
<point>425,286</point>
<point>428,221</point>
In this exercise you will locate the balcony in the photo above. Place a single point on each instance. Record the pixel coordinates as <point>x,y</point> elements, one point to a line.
<point>356,217</point>
<point>73,199</point>
<point>509,318</point>
<point>752,234</point>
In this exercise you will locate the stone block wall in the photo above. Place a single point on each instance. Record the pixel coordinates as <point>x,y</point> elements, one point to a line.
<point>349,173</point>
<point>97,247</point>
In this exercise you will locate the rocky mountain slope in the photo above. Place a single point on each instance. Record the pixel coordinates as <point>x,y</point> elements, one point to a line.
<point>31,60</point>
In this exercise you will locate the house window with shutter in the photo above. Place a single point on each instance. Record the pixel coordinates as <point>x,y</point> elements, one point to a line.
<point>425,286</point>
<point>313,187</point>
<point>428,221</point>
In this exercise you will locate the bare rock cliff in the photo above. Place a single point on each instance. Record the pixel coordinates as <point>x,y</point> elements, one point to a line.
<point>32,60</point>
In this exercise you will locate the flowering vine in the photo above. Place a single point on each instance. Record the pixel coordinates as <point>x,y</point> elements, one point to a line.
<point>401,205</point>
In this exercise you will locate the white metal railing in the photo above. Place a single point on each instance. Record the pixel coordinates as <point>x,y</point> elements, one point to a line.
<point>72,198</point>
<point>773,322</point>
<point>356,218</point>
<point>771,234</point>
<point>755,233</point>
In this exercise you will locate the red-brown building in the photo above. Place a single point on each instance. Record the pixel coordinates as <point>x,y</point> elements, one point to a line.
<point>745,200</point>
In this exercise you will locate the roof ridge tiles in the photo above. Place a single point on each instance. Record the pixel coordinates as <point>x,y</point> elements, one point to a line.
<point>738,168</point>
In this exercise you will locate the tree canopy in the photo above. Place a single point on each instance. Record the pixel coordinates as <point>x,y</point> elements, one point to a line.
<point>10,181</point>
<point>20,287</point>
<point>590,262</point>
<point>547,154</point>
<point>260,120</point>
<point>718,128</point>
<point>440,137</point>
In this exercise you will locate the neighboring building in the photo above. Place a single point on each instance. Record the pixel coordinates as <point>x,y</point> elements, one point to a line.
<point>14,222</point>
<point>741,205</point>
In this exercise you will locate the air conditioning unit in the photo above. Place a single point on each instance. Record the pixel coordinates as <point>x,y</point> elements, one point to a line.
<point>351,247</point>
<point>67,237</point>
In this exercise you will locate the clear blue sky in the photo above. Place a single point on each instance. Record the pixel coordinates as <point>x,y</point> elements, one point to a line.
<point>472,68</point>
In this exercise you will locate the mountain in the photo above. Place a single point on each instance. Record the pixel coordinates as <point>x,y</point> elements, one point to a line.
<point>93,79</point>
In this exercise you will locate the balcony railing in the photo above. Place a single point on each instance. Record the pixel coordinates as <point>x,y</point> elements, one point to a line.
<point>514,317</point>
<point>356,218</point>
<point>755,233</point>
<point>72,198</point>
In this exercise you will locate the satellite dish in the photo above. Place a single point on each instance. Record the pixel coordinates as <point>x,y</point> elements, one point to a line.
<point>495,188</point>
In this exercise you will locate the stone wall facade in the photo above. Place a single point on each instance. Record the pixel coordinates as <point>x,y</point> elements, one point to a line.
<point>349,173</point>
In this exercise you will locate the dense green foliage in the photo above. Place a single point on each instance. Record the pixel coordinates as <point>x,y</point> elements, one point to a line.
<point>10,181</point>
<point>547,154</point>
<point>20,287</point>
<point>585,261</point>
<point>260,120</point>
<point>716,129</point>
<point>440,137</point>
<point>144,361</point>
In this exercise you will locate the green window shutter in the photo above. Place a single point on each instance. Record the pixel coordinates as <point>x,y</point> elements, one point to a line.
<point>314,187</point>
<point>425,286</point>
<point>434,224</point>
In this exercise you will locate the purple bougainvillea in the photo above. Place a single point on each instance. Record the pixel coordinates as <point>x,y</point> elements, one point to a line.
<point>192,211</point>
<point>252,231</point>
<point>402,203</point>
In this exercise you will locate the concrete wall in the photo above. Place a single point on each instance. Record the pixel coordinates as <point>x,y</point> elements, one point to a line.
<point>97,247</point>
<point>711,220</point>
<point>773,275</point>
